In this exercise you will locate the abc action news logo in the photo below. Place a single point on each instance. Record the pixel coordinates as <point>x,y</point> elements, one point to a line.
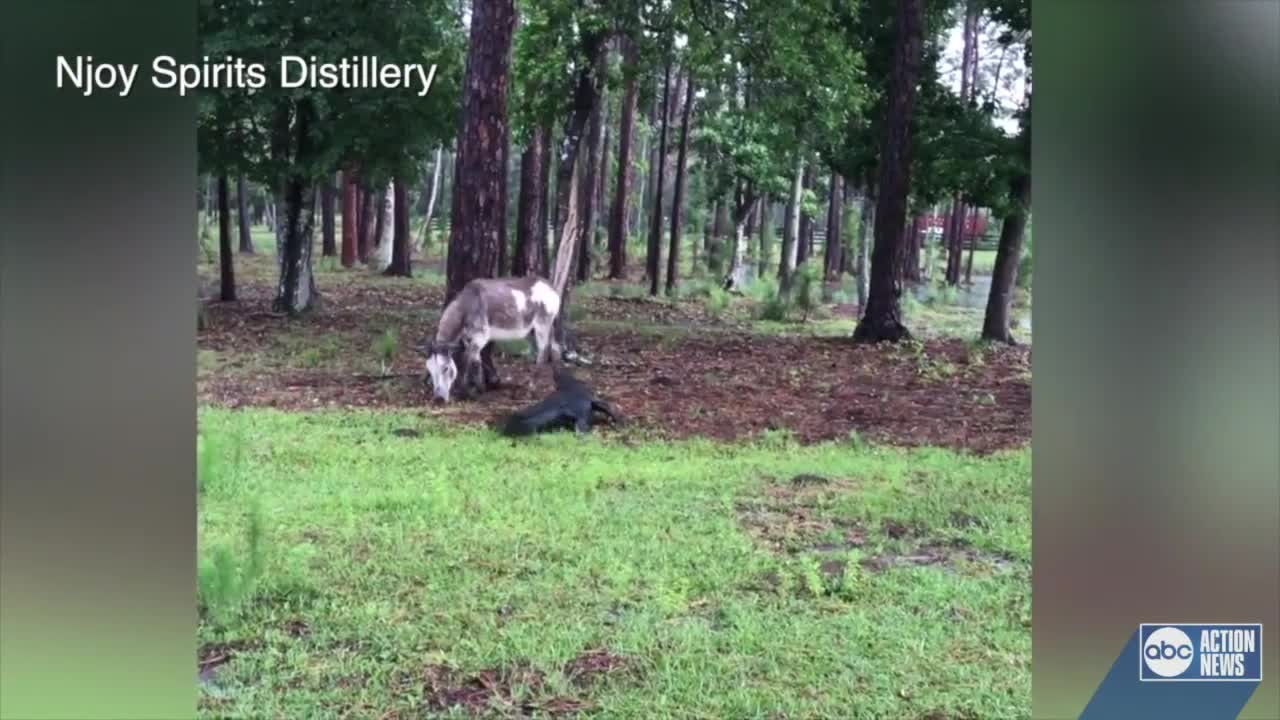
<point>1204,652</point>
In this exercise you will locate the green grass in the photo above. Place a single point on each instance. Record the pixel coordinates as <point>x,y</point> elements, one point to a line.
<point>700,563</point>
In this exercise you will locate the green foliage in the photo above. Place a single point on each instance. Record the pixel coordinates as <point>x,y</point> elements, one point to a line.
<point>228,575</point>
<point>228,572</point>
<point>772,304</point>
<point>803,80</point>
<point>385,131</point>
<point>385,347</point>
<point>1025,263</point>
<point>808,284</point>
<point>718,300</point>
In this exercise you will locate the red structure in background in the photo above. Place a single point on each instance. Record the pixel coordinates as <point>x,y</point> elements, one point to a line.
<point>975,224</point>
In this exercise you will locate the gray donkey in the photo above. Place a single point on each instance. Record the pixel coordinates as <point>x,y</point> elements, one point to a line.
<point>489,309</point>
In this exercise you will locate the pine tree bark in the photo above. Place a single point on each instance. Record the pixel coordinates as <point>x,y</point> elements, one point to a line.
<point>766,220</point>
<point>540,240</point>
<point>744,205</point>
<point>530,226</point>
<point>329,242</point>
<point>432,194</point>
<point>973,246</point>
<point>401,247</point>
<point>792,240</point>
<point>653,261</point>
<point>479,174</point>
<point>805,248</point>
<point>242,212</point>
<point>586,95</point>
<point>365,222</point>
<point>349,213</point>
<point>504,203</point>
<point>866,223</point>
<point>911,265</point>
<point>225,258</point>
<point>995,325</point>
<point>601,231</point>
<point>591,177</point>
<point>833,249</point>
<point>882,317</point>
<point>380,228</point>
<point>953,234</point>
<point>677,203</point>
<point>622,188</point>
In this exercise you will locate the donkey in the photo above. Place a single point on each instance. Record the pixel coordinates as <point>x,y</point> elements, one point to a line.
<point>489,309</point>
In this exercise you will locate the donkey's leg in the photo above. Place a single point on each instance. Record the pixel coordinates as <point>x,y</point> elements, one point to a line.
<point>489,369</point>
<point>542,340</point>
<point>474,371</point>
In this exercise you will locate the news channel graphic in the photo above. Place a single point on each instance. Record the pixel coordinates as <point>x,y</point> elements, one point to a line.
<point>1204,652</point>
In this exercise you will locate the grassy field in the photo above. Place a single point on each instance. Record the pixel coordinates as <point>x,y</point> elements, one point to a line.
<point>403,561</point>
<point>393,562</point>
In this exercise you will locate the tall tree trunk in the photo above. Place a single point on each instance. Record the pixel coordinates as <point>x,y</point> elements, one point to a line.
<point>401,247</point>
<point>653,262</point>
<point>622,188</point>
<point>478,212</point>
<point>591,178</point>
<point>586,94</point>
<point>296,290</point>
<point>224,240</point>
<point>833,249</point>
<point>677,204</point>
<point>380,224</point>
<point>715,231</point>
<point>953,234</point>
<point>995,325</point>
<point>601,230</point>
<point>329,241</point>
<point>744,205</point>
<point>530,225</point>
<point>242,212</point>
<point>540,240</point>
<point>882,317</point>
<point>504,203</point>
<point>432,193</point>
<point>911,266</point>
<point>380,255</point>
<point>766,231</point>
<point>805,246</point>
<point>278,223</point>
<point>365,221</point>
<point>848,250</point>
<point>973,246</point>
<point>349,212</point>
<point>866,223</point>
<point>792,240</point>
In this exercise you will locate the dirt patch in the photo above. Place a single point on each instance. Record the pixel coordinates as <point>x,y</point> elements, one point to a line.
<point>592,666</point>
<point>952,557</point>
<point>647,311</point>
<point>518,690</point>
<point>787,518</point>
<point>212,657</point>
<point>727,385</point>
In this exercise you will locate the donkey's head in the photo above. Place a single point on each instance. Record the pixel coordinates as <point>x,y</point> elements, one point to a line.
<point>440,366</point>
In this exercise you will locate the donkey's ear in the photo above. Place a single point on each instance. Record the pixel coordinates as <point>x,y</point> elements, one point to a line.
<point>423,348</point>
